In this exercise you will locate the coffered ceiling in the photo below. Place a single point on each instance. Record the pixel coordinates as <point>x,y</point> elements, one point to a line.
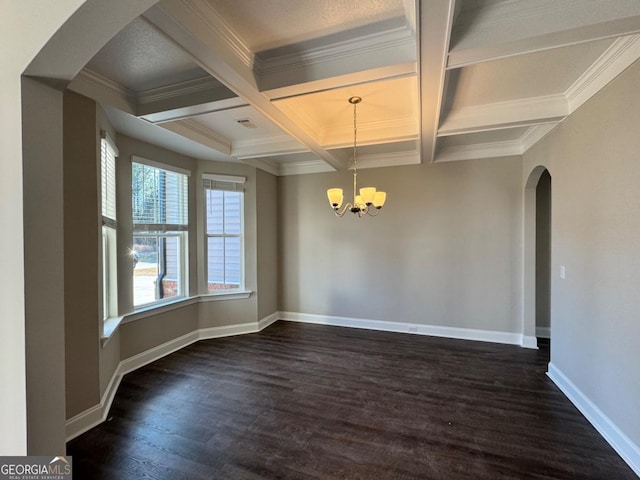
<point>267,82</point>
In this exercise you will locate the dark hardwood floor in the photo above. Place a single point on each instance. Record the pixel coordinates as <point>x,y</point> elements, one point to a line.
<point>301,401</point>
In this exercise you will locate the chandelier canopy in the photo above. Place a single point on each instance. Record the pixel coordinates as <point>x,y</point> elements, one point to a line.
<point>370,201</point>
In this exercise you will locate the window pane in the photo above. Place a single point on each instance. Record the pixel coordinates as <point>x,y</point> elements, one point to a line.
<point>224,263</point>
<point>156,268</point>
<point>215,214</point>
<point>215,263</point>
<point>171,279</point>
<point>233,266</point>
<point>158,196</point>
<point>145,269</point>
<point>232,213</point>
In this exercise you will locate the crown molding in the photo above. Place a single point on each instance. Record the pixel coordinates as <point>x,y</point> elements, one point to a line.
<point>574,21</point>
<point>102,89</point>
<point>394,35</point>
<point>188,87</point>
<point>369,48</point>
<point>482,150</point>
<point>496,149</point>
<point>494,116</point>
<point>105,82</point>
<point>198,133</point>
<point>265,164</point>
<point>387,130</point>
<point>394,159</point>
<point>266,147</point>
<point>305,167</point>
<point>386,72</point>
<point>534,134</point>
<point>216,22</point>
<point>495,15</point>
<point>617,58</point>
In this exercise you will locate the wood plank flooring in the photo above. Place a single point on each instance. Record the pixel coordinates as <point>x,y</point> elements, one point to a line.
<point>301,401</point>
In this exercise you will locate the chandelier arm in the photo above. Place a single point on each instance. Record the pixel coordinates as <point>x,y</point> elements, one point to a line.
<point>373,209</point>
<point>345,209</point>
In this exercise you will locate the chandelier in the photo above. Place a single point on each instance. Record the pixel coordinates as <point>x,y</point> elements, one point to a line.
<point>370,201</point>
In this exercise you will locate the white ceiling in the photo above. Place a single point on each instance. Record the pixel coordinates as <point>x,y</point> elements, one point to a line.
<point>441,80</point>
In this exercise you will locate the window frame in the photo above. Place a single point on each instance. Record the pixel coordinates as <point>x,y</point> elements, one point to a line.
<point>166,230</point>
<point>108,225</point>
<point>229,183</point>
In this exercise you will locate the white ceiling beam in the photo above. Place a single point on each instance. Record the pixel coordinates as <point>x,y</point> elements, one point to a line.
<point>436,20</point>
<point>188,111</point>
<point>195,27</point>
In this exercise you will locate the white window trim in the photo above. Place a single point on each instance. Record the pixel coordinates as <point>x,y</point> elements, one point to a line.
<point>241,290</point>
<point>161,166</point>
<point>109,241</point>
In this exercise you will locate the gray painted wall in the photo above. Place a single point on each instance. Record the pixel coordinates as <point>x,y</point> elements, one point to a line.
<point>42,147</point>
<point>267,248</point>
<point>146,333</point>
<point>82,291</point>
<point>445,249</point>
<point>593,159</point>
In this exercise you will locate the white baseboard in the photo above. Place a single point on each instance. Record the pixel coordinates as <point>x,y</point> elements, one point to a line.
<point>97,414</point>
<point>227,330</point>
<point>401,327</point>
<point>268,320</point>
<point>629,451</point>
<point>144,358</point>
<point>529,342</point>
<point>543,332</point>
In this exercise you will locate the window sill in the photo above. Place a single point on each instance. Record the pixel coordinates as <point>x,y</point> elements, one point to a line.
<point>109,327</point>
<point>216,297</point>
<point>112,324</point>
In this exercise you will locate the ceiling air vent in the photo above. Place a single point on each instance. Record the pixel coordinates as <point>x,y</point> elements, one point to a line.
<point>247,123</point>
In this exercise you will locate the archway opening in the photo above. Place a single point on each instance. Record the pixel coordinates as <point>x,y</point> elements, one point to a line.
<point>543,261</point>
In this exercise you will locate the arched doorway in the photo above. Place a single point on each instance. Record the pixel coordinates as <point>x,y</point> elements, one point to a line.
<point>543,259</point>
<point>39,429</point>
<point>537,258</point>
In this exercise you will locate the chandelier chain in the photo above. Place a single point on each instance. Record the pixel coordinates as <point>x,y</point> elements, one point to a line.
<point>355,158</point>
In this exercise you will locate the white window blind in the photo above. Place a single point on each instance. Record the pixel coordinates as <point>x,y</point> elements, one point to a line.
<point>108,156</point>
<point>160,199</point>
<point>224,182</point>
